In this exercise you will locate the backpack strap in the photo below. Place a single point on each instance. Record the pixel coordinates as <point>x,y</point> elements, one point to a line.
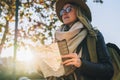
<point>91,44</point>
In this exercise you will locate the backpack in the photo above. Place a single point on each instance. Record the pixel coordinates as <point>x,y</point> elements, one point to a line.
<point>113,50</point>
<point>115,55</point>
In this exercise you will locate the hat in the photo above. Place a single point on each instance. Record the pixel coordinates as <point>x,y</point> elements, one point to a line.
<point>81,3</point>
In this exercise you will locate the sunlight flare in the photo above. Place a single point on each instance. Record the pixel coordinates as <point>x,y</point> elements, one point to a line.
<point>24,54</point>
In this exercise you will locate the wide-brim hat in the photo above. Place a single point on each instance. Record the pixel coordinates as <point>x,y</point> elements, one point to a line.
<point>81,3</point>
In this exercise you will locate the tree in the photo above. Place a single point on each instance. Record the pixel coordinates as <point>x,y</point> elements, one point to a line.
<point>36,25</point>
<point>37,29</point>
<point>6,12</point>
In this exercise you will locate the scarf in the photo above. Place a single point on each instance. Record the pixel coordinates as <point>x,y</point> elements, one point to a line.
<point>73,37</point>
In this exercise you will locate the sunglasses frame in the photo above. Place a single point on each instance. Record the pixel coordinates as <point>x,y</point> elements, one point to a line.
<point>67,10</point>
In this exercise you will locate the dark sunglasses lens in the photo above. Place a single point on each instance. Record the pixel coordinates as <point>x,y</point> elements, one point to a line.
<point>68,9</point>
<point>61,12</point>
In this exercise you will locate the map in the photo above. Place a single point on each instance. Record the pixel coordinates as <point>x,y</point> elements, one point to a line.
<point>48,60</point>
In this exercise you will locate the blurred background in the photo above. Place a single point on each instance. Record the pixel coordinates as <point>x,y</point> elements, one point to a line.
<point>25,23</point>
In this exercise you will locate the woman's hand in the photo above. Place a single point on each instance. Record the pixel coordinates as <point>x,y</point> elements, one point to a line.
<point>71,59</point>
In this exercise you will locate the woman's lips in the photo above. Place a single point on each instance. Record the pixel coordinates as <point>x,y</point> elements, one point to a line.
<point>66,17</point>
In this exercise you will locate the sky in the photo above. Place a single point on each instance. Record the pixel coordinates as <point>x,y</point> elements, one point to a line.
<point>106,17</point>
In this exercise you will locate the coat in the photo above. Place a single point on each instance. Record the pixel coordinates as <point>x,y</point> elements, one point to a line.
<point>103,69</point>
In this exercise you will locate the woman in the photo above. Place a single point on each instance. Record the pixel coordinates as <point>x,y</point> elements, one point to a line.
<point>76,18</point>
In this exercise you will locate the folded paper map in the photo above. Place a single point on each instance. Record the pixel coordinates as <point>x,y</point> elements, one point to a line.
<point>48,58</point>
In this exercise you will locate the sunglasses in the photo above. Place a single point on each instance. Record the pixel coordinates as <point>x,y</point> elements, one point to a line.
<point>67,10</point>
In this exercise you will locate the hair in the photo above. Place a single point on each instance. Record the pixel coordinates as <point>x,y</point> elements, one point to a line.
<point>81,16</point>
<point>85,21</point>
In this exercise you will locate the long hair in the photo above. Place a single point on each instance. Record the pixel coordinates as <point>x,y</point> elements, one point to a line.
<point>85,21</point>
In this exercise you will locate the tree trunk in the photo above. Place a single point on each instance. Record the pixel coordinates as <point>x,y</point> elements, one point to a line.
<point>4,36</point>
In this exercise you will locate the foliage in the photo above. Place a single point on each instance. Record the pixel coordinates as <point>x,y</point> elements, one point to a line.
<point>37,22</point>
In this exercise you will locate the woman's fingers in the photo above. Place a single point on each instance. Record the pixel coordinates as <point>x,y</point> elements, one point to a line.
<point>71,59</point>
<point>68,61</point>
<point>71,55</point>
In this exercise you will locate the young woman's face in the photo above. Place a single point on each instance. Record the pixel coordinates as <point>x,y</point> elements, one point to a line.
<point>68,14</point>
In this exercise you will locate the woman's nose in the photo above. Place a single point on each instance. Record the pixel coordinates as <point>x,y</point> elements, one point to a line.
<point>64,13</point>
